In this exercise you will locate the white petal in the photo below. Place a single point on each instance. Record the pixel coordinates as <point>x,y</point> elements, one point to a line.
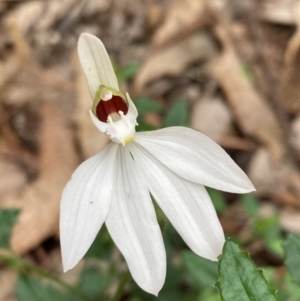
<point>195,157</point>
<point>95,63</point>
<point>132,108</point>
<point>187,205</point>
<point>85,204</point>
<point>133,226</point>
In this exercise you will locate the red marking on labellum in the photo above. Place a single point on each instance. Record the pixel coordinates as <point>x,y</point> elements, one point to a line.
<point>114,105</point>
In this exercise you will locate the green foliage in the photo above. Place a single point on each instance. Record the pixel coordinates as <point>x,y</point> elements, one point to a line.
<point>291,289</point>
<point>31,289</point>
<point>143,126</point>
<point>178,114</point>
<point>287,290</point>
<point>127,72</point>
<point>102,246</point>
<point>93,281</point>
<point>202,272</point>
<point>92,284</point>
<point>239,278</point>
<point>250,204</point>
<point>217,198</point>
<point>172,238</point>
<point>291,248</point>
<point>269,230</point>
<point>147,105</point>
<point>171,289</point>
<point>8,218</point>
<point>209,295</point>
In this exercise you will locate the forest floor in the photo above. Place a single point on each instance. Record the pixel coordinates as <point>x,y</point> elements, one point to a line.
<point>230,69</point>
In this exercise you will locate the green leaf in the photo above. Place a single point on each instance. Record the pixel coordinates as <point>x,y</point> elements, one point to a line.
<point>169,295</point>
<point>250,204</point>
<point>142,126</point>
<point>30,289</point>
<point>203,272</point>
<point>93,281</point>
<point>272,276</point>
<point>102,246</point>
<point>147,105</point>
<point>127,72</point>
<point>178,114</point>
<point>239,278</point>
<point>8,218</point>
<point>172,237</point>
<point>269,273</point>
<point>170,290</point>
<point>209,294</point>
<point>218,199</point>
<point>292,289</point>
<point>269,230</point>
<point>291,248</point>
<point>287,290</point>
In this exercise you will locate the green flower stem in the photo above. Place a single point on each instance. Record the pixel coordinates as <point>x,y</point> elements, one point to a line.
<point>23,266</point>
<point>121,286</point>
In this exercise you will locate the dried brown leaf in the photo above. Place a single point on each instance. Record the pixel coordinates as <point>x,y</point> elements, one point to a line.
<point>278,11</point>
<point>204,115</point>
<point>40,14</point>
<point>295,133</point>
<point>96,6</point>
<point>289,220</point>
<point>255,117</point>
<point>8,279</point>
<point>267,174</point>
<point>291,74</point>
<point>182,16</point>
<point>175,59</point>
<point>40,201</point>
<point>280,180</point>
<point>13,179</point>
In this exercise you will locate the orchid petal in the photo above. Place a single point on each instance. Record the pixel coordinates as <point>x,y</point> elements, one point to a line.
<point>195,157</point>
<point>85,204</point>
<point>95,63</point>
<point>132,223</point>
<point>187,205</point>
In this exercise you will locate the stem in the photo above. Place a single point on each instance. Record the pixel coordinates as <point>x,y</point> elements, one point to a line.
<point>119,291</point>
<point>21,265</point>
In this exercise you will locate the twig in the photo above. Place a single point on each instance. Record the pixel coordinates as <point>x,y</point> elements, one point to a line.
<point>20,265</point>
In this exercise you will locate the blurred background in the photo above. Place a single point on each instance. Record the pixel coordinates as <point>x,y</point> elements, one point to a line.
<point>230,69</point>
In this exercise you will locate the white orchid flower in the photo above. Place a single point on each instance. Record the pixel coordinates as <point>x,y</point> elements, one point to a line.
<point>172,164</point>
